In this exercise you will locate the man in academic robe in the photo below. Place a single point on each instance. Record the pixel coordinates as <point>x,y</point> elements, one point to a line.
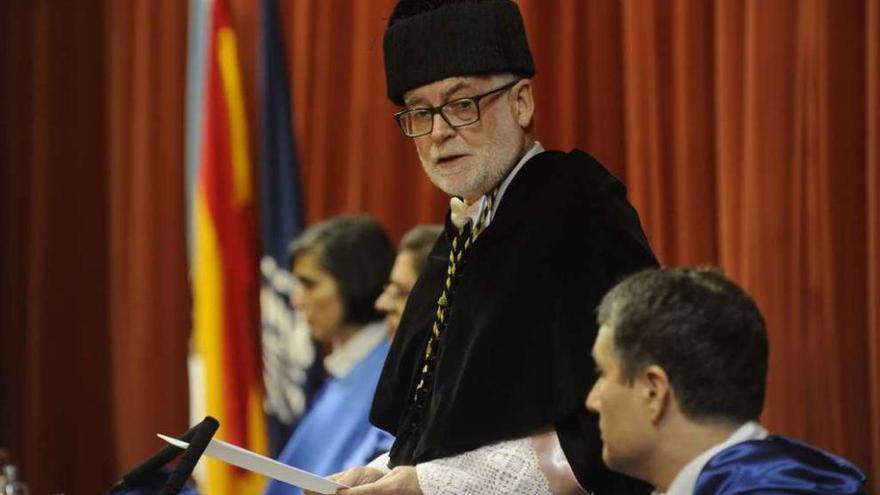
<point>682,360</point>
<point>484,383</point>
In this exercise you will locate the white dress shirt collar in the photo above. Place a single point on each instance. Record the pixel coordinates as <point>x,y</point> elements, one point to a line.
<point>474,210</point>
<point>345,356</point>
<point>686,479</point>
<point>534,150</point>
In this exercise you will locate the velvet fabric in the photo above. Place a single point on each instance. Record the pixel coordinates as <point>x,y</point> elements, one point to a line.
<point>515,356</point>
<point>778,465</point>
<point>455,39</point>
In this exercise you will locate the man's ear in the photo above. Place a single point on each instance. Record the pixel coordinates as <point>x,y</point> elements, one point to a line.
<point>657,391</point>
<point>524,103</point>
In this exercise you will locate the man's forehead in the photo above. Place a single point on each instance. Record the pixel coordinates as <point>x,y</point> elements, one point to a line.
<point>442,88</point>
<point>603,340</point>
<point>404,267</point>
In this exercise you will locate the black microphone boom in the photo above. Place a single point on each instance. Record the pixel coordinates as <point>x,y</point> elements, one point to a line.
<point>191,456</point>
<point>143,471</point>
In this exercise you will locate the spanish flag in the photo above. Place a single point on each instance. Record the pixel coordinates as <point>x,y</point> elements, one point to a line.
<point>225,269</point>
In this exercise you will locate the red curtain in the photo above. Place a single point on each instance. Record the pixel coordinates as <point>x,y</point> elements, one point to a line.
<point>149,304</point>
<point>748,132</point>
<point>95,303</point>
<point>740,128</point>
<point>872,264</point>
<point>55,282</point>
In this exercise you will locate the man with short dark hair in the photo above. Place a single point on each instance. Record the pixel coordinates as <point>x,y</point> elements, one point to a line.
<point>682,361</point>
<point>484,383</point>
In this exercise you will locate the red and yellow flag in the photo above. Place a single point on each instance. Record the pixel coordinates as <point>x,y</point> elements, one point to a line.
<point>225,269</point>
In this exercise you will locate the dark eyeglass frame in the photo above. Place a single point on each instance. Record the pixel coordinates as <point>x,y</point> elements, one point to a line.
<point>439,109</point>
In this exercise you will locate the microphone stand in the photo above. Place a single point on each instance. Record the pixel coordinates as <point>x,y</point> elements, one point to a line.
<point>191,456</point>
<point>142,472</point>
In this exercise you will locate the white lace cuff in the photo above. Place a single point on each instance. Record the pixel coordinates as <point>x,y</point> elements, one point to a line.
<point>501,468</point>
<point>534,464</point>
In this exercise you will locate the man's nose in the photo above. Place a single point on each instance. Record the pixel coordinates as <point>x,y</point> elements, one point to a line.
<point>592,402</point>
<point>382,303</point>
<point>441,130</point>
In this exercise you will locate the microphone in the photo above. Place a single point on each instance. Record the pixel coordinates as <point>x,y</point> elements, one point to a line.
<point>142,472</point>
<point>191,456</point>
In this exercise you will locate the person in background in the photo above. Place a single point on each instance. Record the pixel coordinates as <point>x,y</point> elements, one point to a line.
<point>682,361</point>
<point>340,266</point>
<point>410,261</point>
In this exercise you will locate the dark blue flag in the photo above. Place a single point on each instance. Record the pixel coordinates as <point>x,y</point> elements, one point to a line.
<point>291,361</point>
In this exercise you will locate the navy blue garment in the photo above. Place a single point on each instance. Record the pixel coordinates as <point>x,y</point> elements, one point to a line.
<point>778,465</point>
<point>281,215</point>
<point>335,434</point>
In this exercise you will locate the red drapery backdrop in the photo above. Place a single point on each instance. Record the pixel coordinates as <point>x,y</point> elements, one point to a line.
<point>748,132</point>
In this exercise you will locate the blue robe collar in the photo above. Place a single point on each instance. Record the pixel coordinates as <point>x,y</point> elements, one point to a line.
<point>778,465</point>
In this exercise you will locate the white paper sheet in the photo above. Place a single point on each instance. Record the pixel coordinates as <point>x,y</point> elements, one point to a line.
<point>257,463</point>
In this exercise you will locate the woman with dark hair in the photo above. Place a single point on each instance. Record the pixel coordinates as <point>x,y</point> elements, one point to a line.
<point>340,266</point>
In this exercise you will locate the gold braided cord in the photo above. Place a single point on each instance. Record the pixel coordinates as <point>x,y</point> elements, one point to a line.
<point>456,252</point>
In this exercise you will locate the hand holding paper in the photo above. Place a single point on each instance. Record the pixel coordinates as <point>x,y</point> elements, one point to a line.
<point>402,480</point>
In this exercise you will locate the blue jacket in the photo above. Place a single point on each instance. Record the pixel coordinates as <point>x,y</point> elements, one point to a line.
<point>336,434</point>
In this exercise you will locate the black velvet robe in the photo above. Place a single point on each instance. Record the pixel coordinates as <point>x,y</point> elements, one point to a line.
<point>515,356</point>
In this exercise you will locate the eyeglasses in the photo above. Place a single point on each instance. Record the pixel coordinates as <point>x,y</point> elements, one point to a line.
<point>415,122</point>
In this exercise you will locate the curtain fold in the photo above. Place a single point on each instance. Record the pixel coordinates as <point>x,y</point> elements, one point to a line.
<point>149,301</point>
<point>872,225</point>
<point>95,307</point>
<point>56,334</point>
